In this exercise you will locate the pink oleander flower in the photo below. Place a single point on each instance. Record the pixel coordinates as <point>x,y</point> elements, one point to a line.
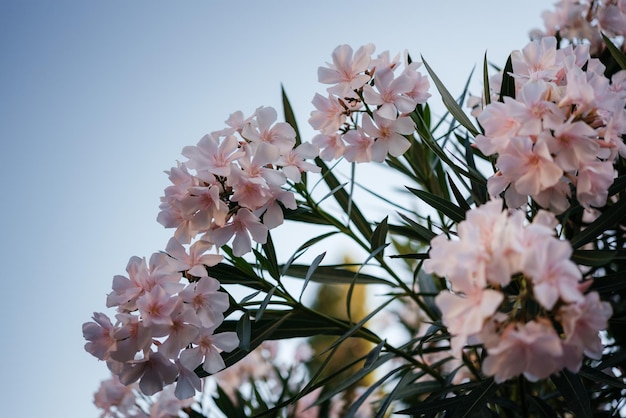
<point>330,114</point>
<point>465,315</point>
<point>347,70</point>
<point>156,306</point>
<point>162,272</point>
<point>532,349</point>
<point>332,146</point>
<point>243,226</point>
<point>212,156</point>
<point>153,372</point>
<point>207,350</point>
<point>100,336</point>
<point>207,301</point>
<point>554,276</point>
<point>582,321</point>
<point>280,135</point>
<point>132,338</point>
<point>390,94</point>
<point>168,405</point>
<point>529,167</point>
<point>114,398</point>
<point>294,162</point>
<point>358,146</point>
<point>195,260</point>
<point>388,135</point>
<point>537,61</point>
<point>183,329</point>
<point>187,383</point>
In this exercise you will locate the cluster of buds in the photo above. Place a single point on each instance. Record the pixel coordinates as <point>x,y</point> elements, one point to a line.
<point>562,130</point>
<point>514,289</point>
<point>365,115</point>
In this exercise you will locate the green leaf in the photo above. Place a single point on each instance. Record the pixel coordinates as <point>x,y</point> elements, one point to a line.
<point>477,399</point>
<point>226,405</point>
<point>507,88</point>
<point>573,391</point>
<point>458,196</point>
<point>290,116</point>
<point>303,248</point>
<point>541,407</point>
<point>373,355</point>
<point>278,325</point>
<point>428,139</point>
<point>444,206</point>
<point>244,331</point>
<point>270,254</point>
<point>608,219</point>
<point>424,234</point>
<point>345,200</point>
<point>314,264</point>
<point>306,215</point>
<point>486,90</point>
<point>333,274</point>
<point>595,375</point>
<point>379,235</point>
<point>427,408</point>
<point>365,395</point>
<point>593,258</point>
<point>451,104</point>
<point>426,284</point>
<point>259,314</point>
<point>249,297</point>
<point>609,284</point>
<point>352,379</point>
<point>227,274</point>
<point>616,53</point>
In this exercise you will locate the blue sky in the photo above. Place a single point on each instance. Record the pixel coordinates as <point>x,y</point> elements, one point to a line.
<point>98,98</point>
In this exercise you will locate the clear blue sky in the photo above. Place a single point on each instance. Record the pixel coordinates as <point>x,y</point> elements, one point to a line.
<point>97,99</point>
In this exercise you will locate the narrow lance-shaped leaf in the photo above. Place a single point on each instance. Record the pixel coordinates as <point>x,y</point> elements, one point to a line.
<point>458,196</point>
<point>451,104</point>
<point>290,116</point>
<point>574,392</point>
<point>333,274</point>
<point>345,200</point>
<point>486,90</point>
<point>444,206</point>
<point>270,254</point>
<point>609,218</point>
<point>424,233</point>
<point>244,331</point>
<point>379,235</point>
<point>616,53</point>
<point>507,88</point>
<point>259,314</point>
<point>316,262</point>
<point>303,248</point>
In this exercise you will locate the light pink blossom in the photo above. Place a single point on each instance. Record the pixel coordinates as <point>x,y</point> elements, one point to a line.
<point>347,70</point>
<point>532,349</point>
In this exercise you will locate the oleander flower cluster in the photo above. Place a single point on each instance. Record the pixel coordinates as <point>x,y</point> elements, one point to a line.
<point>236,189</point>
<point>365,115</point>
<point>167,312</point>
<point>514,289</point>
<point>559,137</point>
<point>581,21</point>
<point>169,308</point>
